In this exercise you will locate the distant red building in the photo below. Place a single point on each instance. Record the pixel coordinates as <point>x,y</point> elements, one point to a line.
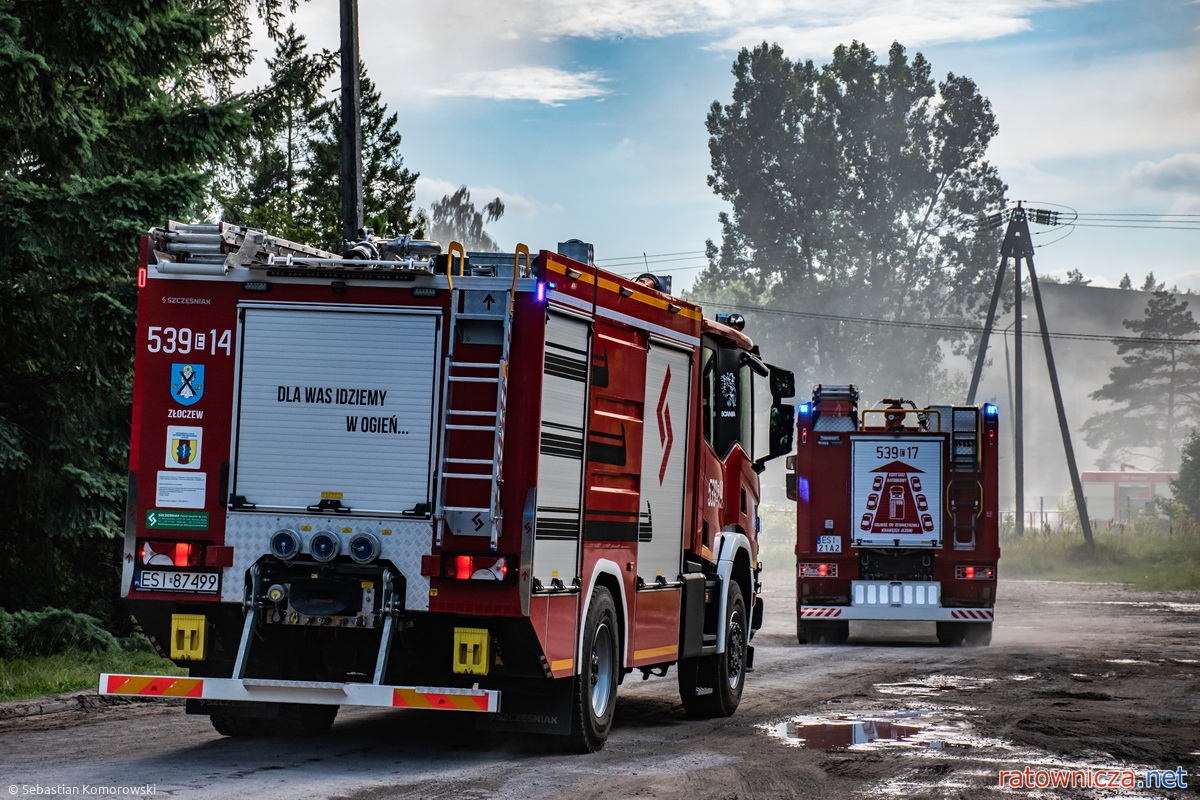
<point>1123,495</point>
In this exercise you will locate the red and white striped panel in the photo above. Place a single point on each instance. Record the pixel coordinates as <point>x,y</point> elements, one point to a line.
<point>979,614</point>
<point>820,612</point>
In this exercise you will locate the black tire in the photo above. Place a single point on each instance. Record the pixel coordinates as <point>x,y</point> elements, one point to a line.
<point>594,697</point>
<point>293,720</point>
<point>808,632</point>
<point>978,634</point>
<point>297,719</point>
<point>837,632</point>
<point>950,634</point>
<point>239,727</point>
<point>711,686</point>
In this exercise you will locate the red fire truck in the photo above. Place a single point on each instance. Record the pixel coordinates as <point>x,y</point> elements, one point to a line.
<point>394,477</point>
<point>896,516</point>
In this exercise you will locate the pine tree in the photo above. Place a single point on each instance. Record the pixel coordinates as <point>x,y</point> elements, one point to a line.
<point>389,188</point>
<point>264,188</point>
<point>1156,388</point>
<point>107,129</point>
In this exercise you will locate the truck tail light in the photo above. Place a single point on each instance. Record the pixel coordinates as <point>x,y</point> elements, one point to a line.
<point>973,573</point>
<point>171,554</point>
<point>822,570</point>
<point>465,567</point>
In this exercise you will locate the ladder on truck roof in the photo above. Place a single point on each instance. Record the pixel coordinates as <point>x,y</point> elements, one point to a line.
<point>966,486</point>
<point>475,390</point>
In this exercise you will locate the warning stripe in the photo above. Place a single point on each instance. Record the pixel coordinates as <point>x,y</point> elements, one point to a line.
<point>147,686</point>
<point>820,612</point>
<point>411,698</point>
<point>971,614</point>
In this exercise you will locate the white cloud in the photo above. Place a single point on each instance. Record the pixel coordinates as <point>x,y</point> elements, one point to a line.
<point>546,85</point>
<point>1179,173</point>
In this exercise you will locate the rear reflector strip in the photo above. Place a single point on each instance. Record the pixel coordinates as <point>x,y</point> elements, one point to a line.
<point>315,692</point>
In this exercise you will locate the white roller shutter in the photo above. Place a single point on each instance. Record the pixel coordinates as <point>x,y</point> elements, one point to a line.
<point>335,404</point>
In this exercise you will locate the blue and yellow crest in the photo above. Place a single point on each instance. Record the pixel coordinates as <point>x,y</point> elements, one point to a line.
<point>187,383</point>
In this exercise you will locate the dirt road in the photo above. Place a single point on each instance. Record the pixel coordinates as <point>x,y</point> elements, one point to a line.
<point>1089,678</point>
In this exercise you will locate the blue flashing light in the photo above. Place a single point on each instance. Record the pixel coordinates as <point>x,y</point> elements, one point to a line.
<point>990,409</point>
<point>804,409</point>
<point>802,489</point>
<point>542,290</point>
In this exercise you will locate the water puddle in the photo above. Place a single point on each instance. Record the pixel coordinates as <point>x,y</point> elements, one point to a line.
<point>932,685</point>
<point>927,729</point>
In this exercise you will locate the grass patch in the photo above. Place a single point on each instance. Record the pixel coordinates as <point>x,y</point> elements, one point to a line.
<point>1148,554</point>
<point>23,677</point>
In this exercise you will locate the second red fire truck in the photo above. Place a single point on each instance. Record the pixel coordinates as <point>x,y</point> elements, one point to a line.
<point>397,477</point>
<point>896,512</point>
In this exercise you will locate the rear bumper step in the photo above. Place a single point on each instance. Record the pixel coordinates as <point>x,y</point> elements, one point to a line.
<point>257,690</point>
<point>911,613</point>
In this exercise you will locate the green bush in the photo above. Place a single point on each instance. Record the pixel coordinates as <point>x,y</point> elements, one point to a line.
<point>57,630</point>
<point>8,642</point>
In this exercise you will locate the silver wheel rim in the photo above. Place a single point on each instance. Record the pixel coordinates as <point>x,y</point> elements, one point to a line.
<point>601,670</point>
<point>735,646</point>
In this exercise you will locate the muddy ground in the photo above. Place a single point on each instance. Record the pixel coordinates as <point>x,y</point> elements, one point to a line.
<point>1093,678</point>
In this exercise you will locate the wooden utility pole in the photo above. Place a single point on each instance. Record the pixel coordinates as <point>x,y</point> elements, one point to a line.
<point>352,188</point>
<point>1019,247</point>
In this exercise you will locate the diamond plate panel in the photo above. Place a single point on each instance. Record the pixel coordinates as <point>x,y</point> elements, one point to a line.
<point>404,542</point>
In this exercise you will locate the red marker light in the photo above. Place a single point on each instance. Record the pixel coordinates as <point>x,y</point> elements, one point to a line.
<point>463,567</point>
<point>970,571</point>
<point>183,553</point>
<point>141,277</point>
<point>822,570</point>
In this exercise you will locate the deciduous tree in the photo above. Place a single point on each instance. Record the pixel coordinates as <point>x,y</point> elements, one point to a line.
<point>455,218</point>
<point>856,191</point>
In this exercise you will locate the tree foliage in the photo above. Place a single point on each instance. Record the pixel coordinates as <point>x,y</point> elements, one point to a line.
<point>290,183</point>
<point>455,218</point>
<point>109,125</point>
<point>1156,388</point>
<point>1186,488</point>
<point>856,191</point>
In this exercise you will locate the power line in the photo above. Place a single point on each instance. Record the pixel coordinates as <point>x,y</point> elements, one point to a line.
<point>945,326</point>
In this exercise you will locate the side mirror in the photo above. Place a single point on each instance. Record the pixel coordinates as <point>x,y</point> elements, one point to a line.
<point>783,429</point>
<point>781,434</point>
<point>789,485</point>
<point>783,383</point>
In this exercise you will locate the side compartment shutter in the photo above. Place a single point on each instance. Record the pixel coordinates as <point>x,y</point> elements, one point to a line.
<point>665,450</point>
<point>560,460</point>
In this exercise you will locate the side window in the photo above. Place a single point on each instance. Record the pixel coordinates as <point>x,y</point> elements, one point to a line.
<point>708,379</point>
<point>746,408</point>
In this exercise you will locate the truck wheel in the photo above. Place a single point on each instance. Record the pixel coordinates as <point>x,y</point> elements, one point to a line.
<point>711,686</point>
<point>808,632</point>
<point>305,719</point>
<point>594,698</point>
<point>950,634</point>
<point>239,727</point>
<point>978,634</point>
<point>837,632</point>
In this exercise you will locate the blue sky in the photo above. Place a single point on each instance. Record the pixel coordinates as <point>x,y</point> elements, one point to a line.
<point>587,116</point>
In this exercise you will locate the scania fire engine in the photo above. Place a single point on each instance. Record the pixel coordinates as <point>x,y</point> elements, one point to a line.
<point>397,477</point>
<point>896,516</point>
